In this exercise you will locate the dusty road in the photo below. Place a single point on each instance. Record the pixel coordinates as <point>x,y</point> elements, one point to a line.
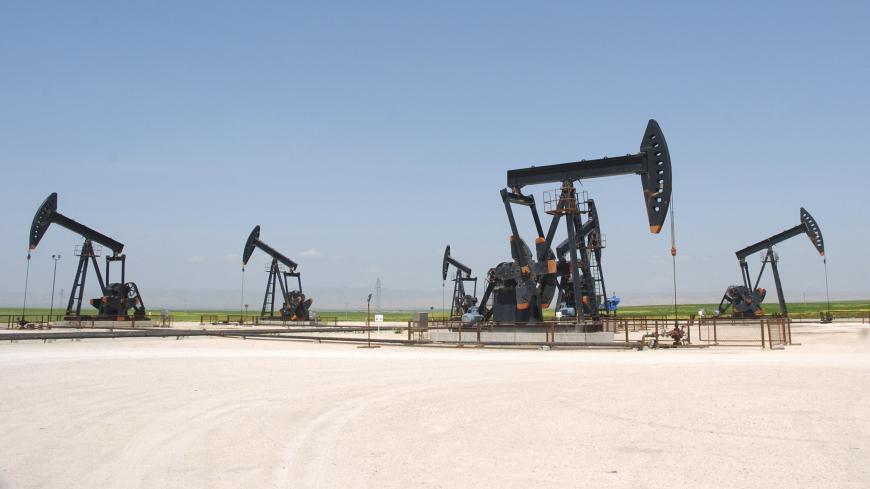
<point>215,413</point>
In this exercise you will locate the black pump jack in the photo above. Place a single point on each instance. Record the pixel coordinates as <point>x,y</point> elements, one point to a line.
<point>525,286</point>
<point>746,299</point>
<point>462,301</point>
<point>295,306</point>
<point>117,298</point>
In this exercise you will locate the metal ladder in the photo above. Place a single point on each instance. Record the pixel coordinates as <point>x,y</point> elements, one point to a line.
<point>269,298</point>
<point>597,279</point>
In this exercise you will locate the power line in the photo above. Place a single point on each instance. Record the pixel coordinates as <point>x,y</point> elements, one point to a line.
<point>242,300</point>
<point>26,281</point>
<point>674,258</point>
<point>827,291</point>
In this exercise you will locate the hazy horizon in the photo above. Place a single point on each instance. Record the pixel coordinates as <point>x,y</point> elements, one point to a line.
<point>353,298</point>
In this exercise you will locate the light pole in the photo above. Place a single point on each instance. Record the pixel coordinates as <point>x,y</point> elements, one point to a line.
<point>368,328</point>
<point>53,280</point>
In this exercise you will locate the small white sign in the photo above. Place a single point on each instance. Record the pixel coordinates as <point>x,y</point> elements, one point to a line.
<point>379,318</point>
<point>558,314</point>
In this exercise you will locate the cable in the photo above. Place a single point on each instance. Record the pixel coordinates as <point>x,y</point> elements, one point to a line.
<point>242,301</point>
<point>674,259</point>
<point>443,302</point>
<point>26,281</point>
<point>827,291</point>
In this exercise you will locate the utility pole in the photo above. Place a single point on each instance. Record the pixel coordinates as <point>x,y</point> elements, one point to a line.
<point>368,327</point>
<point>378,309</point>
<point>378,301</point>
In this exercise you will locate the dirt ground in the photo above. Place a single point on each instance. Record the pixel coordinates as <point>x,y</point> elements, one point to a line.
<point>229,413</point>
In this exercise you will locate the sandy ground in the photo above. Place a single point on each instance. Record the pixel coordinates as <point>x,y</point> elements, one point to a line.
<point>219,412</point>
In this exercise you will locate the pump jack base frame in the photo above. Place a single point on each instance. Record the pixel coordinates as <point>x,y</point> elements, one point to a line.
<point>96,319</point>
<point>579,327</point>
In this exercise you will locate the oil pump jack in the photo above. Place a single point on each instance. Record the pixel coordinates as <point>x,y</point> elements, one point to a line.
<point>746,299</point>
<point>463,305</point>
<point>522,288</point>
<point>119,298</point>
<point>295,306</point>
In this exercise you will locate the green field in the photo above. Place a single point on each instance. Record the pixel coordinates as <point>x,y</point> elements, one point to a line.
<point>810,309</point>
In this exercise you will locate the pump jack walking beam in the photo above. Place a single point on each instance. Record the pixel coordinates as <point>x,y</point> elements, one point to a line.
<point>807,226</point>
<point>652,163</point>
<point>449,260</point>
<point>254,242</point>
<point>47,214</point>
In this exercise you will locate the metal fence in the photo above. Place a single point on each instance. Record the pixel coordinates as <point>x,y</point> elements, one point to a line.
<point>13,321</point>
<point>545,333</point>
<point>257,320</point>
<point>42,321</point>
<point>317,321</point>
<point>762,333</point>
<point>624,331</point>
<point>656,332</point>
<point>97,322</point>
<point>862,316</point>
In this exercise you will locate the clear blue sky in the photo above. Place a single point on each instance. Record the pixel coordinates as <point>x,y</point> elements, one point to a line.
<point>365,136</point>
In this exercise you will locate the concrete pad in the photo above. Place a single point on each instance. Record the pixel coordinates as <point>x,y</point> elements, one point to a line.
<point>229,413</point>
